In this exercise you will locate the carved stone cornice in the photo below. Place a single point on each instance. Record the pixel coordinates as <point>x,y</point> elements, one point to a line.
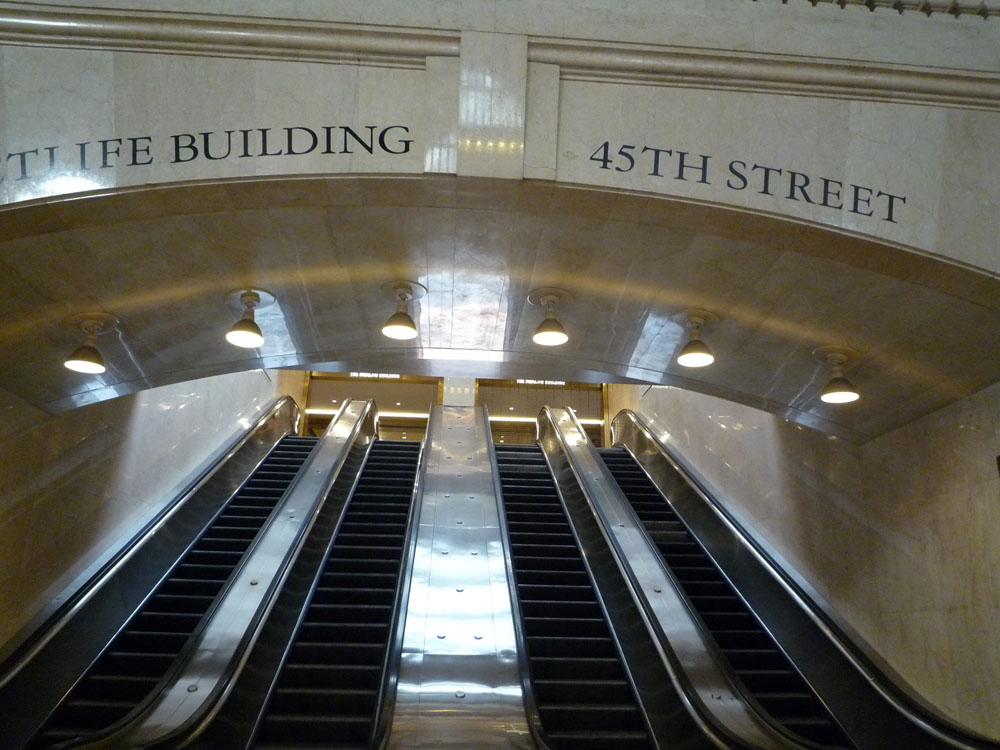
<point>767,74</point>
<point>957,8</point>
<point>214,37</point>
<point>253,38</point>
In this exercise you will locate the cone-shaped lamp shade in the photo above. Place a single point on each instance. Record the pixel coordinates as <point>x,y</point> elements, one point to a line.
<point>400,325</point>
<point>246,333</point>
<point>839,390</point>
<point>695,354</point>
<point>86,359</point>
<point>550,331</point>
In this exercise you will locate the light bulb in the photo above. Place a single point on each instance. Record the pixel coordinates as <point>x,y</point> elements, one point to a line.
<point>246,334</point>
<point>86,359</point>
<point>550,331</point>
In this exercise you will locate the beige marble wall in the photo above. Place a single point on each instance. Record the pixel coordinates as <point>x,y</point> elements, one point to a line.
<point>915,511</point>
<point>73,484</point>
<point>776,109</point>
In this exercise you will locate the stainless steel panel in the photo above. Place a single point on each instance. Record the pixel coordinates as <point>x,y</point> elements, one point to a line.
<point>459,685</point>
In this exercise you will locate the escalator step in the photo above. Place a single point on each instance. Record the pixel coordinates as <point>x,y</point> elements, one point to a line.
<point>594,692</point>
<point>346,653</point>
<point>576,667</point>
<point>583,698</point>
<point>355,676</point>
<point>319,700</point>
<point>590,717</point>
<point>340,730</point>
<point>326,693</point>
<point>548,646</point>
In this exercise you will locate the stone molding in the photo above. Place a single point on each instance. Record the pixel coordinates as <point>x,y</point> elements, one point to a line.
<point>613,63</point>
<point>245,38</point>
<point>957,8</point>
<point>767,74</point>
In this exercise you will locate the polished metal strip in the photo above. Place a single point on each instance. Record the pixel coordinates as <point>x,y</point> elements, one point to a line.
<point>689,655</point>
<point>459,685</point>
<point>217,655</point>
<point>880,711</point>
<point>49,667</point>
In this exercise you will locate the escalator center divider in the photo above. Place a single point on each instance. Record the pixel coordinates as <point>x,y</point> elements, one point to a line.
<point>326,693</point>
<point>140,656</point>
<point>768,678</point>
<point>583,695</point>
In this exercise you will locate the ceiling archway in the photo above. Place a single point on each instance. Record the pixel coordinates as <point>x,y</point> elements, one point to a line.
<point>164,259</point>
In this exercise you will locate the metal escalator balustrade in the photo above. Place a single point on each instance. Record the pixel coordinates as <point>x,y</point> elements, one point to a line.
<point>583,695</point>
<point>140,656</point>
<point>327,692</point>
<point>757,661</point>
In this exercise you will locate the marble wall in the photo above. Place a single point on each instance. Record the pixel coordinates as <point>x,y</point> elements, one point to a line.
<point>916,512</point>
<point>774,111</point>
<point>73,484</point>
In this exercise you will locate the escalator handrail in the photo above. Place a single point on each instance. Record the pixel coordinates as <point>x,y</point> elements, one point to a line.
<point>534,721</point>
<point>385,701</point>
<point>555,447</point>
<point>217,651</point>
<point>885,682</point>
<point>699,669</point>
<point>20,655</point>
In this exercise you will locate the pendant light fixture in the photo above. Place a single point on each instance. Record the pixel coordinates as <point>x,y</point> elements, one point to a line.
<point>839,390</point>
<point>400,325</point>
<point>550,331</point>
<point>86,358</point>
<point>695,352</point>
<point>245,333</point>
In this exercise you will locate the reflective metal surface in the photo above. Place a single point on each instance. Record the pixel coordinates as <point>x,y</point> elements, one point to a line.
<point>51,664</point>
<point>875,712</point>
<point>232,626</point>
<point>459,685</point>
<point>689,653</point>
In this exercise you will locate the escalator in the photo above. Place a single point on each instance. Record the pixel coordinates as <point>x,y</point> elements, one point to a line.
<point>140,656</point>
<point>760,665</point>
<point>583,695</point>
<point>329,690</point>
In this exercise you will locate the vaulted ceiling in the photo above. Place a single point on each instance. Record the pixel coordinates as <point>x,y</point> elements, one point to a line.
<point>163,260</point>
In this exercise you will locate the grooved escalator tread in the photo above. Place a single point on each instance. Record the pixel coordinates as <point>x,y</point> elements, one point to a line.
<point>583,697</point>
<point>755,659</point>
<point>327,692</point>
<point>145,649</point>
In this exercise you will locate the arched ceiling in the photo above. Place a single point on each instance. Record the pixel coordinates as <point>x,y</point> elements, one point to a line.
<point>163,260</point>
